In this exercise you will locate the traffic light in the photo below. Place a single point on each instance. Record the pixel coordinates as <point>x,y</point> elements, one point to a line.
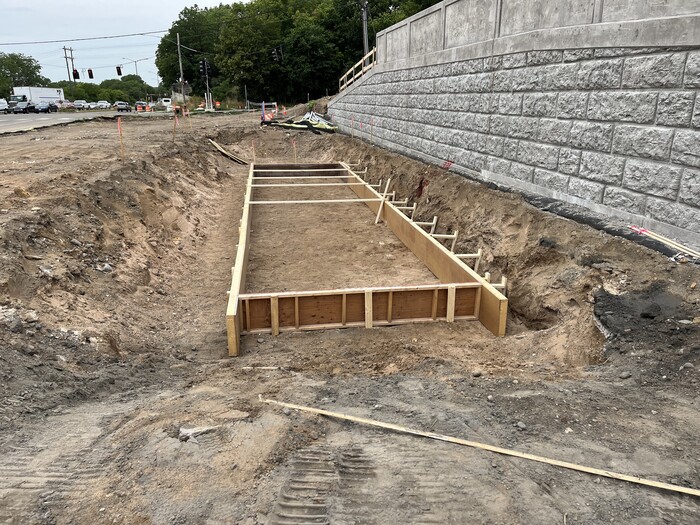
<point>76,75</point>
<point>119,70</point>
<point>274,55</point>
<point>90,75</point>
<point>202,68</point>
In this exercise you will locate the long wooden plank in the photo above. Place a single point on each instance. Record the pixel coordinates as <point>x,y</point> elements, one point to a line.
<point>491,448</point>
<point>318,201</point>
<point>234,321</point>
<point>356,324</point>
<point>307,185</point>
<point>296,177</point>
<point>305,293</point>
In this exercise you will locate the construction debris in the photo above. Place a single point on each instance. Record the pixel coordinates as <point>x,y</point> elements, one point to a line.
<point>228,154</point>
<point>310,121</point>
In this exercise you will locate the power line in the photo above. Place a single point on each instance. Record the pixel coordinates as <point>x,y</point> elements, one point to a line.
<point>80,39</point>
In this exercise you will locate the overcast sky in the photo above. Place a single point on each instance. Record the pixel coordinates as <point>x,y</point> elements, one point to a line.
<point>41,20</point>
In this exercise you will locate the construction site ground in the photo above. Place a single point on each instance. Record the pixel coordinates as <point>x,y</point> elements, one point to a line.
<point>113,279</point>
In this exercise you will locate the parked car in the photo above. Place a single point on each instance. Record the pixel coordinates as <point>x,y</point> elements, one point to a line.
<point>92,105</point>
<point>46,107</point>
<point>65,104</point>
<point>4,106</point>
<point>103,104</point>
<point>80,104</point>
<point>122,106</point>
<point>141,103</point>
<point>24,107</point>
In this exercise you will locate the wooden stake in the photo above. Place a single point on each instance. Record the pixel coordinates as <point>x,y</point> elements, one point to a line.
<point>174,127</point>
<point>275,315</point>
<point>381,204</point>
<point>294,147</point>
<point>369,321</point>
<point>451,296</point>
<point>121,141</point>
<point>389,306</point>
<point>434,305</point>
<point>489,448</point>
<point>253,144</point>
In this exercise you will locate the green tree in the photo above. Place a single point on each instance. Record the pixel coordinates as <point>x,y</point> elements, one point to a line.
<point>17,70</point>
<point>314,41</point>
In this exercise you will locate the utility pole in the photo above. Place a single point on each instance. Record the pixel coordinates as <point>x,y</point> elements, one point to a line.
<point>69,68</point>
<point>182,75</point>
<point>65,55</point>
<point>365,40</point>
<point>72,64</point>
<point>245,90</point>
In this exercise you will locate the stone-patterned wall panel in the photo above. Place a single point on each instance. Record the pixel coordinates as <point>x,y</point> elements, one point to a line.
<point>614,128</point>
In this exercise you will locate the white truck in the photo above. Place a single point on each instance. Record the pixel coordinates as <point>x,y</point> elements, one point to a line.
<point>37,94</point>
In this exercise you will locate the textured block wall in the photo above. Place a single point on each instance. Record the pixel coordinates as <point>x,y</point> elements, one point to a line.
<point>608,128</point>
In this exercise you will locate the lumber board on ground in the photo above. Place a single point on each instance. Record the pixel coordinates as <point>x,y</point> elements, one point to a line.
<point>491,448</point>
<point>228,154</point>
<point>444,264</point>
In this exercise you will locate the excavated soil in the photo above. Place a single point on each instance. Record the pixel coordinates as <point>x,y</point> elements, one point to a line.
<point>118,403</point>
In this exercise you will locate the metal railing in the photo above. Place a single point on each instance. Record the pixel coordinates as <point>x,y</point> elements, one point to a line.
<point>368,62</point>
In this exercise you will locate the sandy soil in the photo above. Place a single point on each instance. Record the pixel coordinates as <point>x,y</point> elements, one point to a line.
<point>112,295</point>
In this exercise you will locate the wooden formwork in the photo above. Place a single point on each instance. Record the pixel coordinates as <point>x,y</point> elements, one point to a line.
<point>461,294</point>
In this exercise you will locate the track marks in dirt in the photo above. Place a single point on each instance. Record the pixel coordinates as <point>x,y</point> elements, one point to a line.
<point>58,463</point>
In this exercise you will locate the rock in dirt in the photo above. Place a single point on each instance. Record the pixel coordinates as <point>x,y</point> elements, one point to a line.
<point>476,373</point>
<point>625,375</point>
<point>261,340</point>
<point>189,434</point>
<point>30,316</point>
<point>687,365</point>
<point>521,425</point>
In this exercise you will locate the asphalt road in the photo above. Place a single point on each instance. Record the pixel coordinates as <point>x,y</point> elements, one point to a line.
<point>25,122</point>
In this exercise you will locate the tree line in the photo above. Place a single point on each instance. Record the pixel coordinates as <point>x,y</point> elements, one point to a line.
<point>284,50</point>
<point>17,69</point>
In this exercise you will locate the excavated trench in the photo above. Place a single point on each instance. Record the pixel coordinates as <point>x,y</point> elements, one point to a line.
<point>113,280</point>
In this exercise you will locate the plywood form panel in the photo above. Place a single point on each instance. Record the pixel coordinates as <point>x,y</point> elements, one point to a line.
<point>324,309</point>
<point>380,303</point>
<point>414,304</point>
<point>258,314</point>
<point>465,301</point>
<point>355,307</point>
<point>286,311</point>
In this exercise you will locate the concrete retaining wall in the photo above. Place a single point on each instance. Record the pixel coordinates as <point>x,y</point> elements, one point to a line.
<point>615,129</point>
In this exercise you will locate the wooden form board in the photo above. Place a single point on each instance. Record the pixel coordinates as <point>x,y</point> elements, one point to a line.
<point>444,264</point>
<point>462,293</point>
<point>317,310</point>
